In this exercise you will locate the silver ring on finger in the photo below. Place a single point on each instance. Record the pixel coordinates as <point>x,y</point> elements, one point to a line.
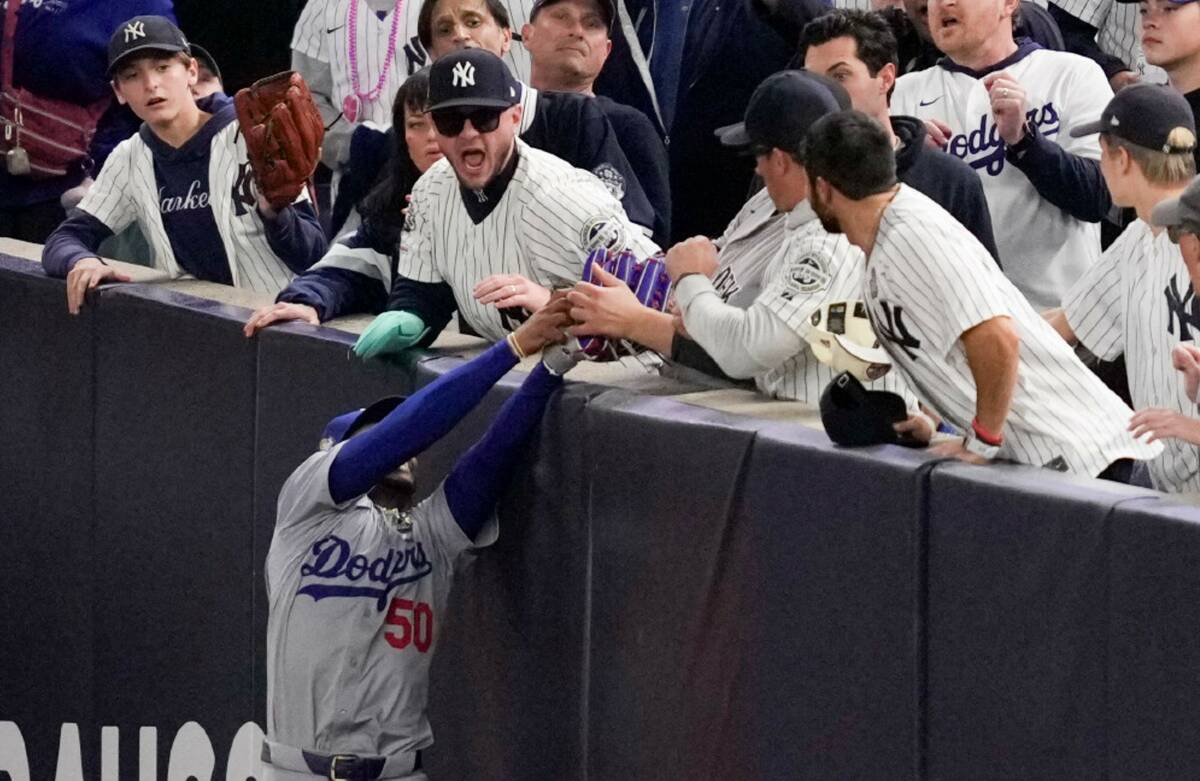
<point>1004,92</point>
<point>512,290</point>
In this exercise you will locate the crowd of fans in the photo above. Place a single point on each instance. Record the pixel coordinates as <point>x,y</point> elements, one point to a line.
<point>479,150</point>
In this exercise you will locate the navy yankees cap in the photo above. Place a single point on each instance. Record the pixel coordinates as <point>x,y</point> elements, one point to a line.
<point>347,424</point>
<point>853,415</point>
<point>783,108</point>
<point>607,8</point>
<point>471,77</point>
<point>144,33</point>
<point>1182,212</point>
<point>1151,116</point>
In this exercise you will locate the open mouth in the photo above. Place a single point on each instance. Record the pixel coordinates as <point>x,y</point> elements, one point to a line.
<point>155,102</point>
<point>949,22</point>
<point>473,160</point>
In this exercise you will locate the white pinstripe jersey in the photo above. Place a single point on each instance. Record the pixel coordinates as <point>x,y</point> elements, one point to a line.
<point>929,281</point>
<point>1043,249</point>
<point>1138,300</point>
<point>811,268</point>
<point>126,191</point>
<point>749,244</point>
<point>549,217</point>
<point>1119,32</point>
<point>322,33</point>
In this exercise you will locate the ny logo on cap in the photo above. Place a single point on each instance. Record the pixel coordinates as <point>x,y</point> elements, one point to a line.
<point>135,30</point>
<point>464,75</point>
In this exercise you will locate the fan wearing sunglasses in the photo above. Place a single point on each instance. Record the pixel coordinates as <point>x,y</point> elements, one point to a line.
<point>492,206</point>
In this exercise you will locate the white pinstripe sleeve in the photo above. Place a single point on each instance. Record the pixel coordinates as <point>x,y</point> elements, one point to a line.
<point>308,37</point>
<point>1095,304</point>
<point>1094,12</point>
<point>110,198</point>
<point>557,235</point>
<point>415,260</point>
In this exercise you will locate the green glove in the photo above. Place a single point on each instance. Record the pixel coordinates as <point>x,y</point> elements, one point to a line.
<point>390,333</point>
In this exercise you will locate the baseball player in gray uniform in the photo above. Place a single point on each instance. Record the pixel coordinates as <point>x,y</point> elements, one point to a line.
<point>495,224</point>
<point>969,344</point>
<point>1137,299</point>
<point>358,575</point>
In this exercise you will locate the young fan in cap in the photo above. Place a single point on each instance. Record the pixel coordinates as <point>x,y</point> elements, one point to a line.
<point>493,205</point>
<point>1181,217</point>
<point>1135,299</point>
<point>358,574</point>
<point>184,179</point>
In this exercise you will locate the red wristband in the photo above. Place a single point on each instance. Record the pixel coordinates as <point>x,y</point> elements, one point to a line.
<point>985,436</point>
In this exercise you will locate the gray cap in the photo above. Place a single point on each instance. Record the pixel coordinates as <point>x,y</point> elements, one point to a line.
<point>1182,212</point>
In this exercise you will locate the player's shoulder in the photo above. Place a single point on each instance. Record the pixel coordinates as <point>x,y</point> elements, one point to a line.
<point>922,226</point>
<point>1133,243</point>
<point>547,176</point>
<point>437,179</point>
<point>1060,67</point>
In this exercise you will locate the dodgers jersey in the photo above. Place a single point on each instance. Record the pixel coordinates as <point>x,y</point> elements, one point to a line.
<point>749,244</point>
<point>356,606</point>
<point>812,268</point>
<point>1138,300</point>
<point>549,217</point>
<point>322,33</point>
<point>929,281</point>
<point>1043,249</point>
<point>216,214</point>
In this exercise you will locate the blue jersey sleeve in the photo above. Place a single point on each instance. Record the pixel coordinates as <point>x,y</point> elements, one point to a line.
<point>423,418</point>
<point>477,481</point>
<point>295,236</point>
<point>78,237</point>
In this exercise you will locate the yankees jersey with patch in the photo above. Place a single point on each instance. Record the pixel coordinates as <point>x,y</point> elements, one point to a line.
<point>543,225</point>
<point>196,206</point>
<point>1118,32</point>
<point>1042,248</point>
<point>750,242</point>
<point>322,33</point>
<point>1138,300</point>
<point>929,281</point>
<point>356,604</point>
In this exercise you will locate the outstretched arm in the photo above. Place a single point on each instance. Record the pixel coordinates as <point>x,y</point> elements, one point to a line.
<point>479,478</point>
<point>431,412</point>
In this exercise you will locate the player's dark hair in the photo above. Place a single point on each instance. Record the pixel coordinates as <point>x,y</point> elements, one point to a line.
<point>425,19</point>
<point>383,206</point>
<point>873,37</point>
<point>852,152</point>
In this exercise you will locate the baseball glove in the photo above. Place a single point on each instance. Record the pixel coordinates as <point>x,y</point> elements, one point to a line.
<point>646,278</point>
<point>283,131</point>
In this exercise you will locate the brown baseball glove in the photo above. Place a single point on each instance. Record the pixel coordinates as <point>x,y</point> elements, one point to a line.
<point>283,131</point>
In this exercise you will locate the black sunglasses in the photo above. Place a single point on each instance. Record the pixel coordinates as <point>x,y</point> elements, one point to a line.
<point>450,121</point>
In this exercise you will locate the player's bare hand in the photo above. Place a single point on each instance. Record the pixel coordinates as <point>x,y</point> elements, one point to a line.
<point>1186,359</point>
<point>956,449</point>
<point>937,133</point>
<point>505,290</point>
<point>1123,79</point>
<point>607,309</point>
<point>916,426</point>
<point>280,313</point>
<point>85,276</point>
<point>545,326</point>
<point>407,206</point>
<point>1155,423</point>
<point>697,255</point>
<point>1009,105</point>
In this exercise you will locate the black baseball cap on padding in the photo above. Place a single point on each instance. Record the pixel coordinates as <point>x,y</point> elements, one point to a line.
<point>144,33</point>
<point>854,416</point>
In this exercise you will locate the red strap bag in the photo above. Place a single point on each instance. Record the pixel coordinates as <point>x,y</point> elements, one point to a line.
<point>40,137</point>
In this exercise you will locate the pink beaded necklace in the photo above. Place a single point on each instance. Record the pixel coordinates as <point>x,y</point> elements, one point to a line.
<point>353,102</point>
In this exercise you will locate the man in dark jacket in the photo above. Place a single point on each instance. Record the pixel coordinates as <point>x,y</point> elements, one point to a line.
<point>857,50</point>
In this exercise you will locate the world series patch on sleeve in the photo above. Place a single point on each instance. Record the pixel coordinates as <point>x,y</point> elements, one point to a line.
<point>646,278</point>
